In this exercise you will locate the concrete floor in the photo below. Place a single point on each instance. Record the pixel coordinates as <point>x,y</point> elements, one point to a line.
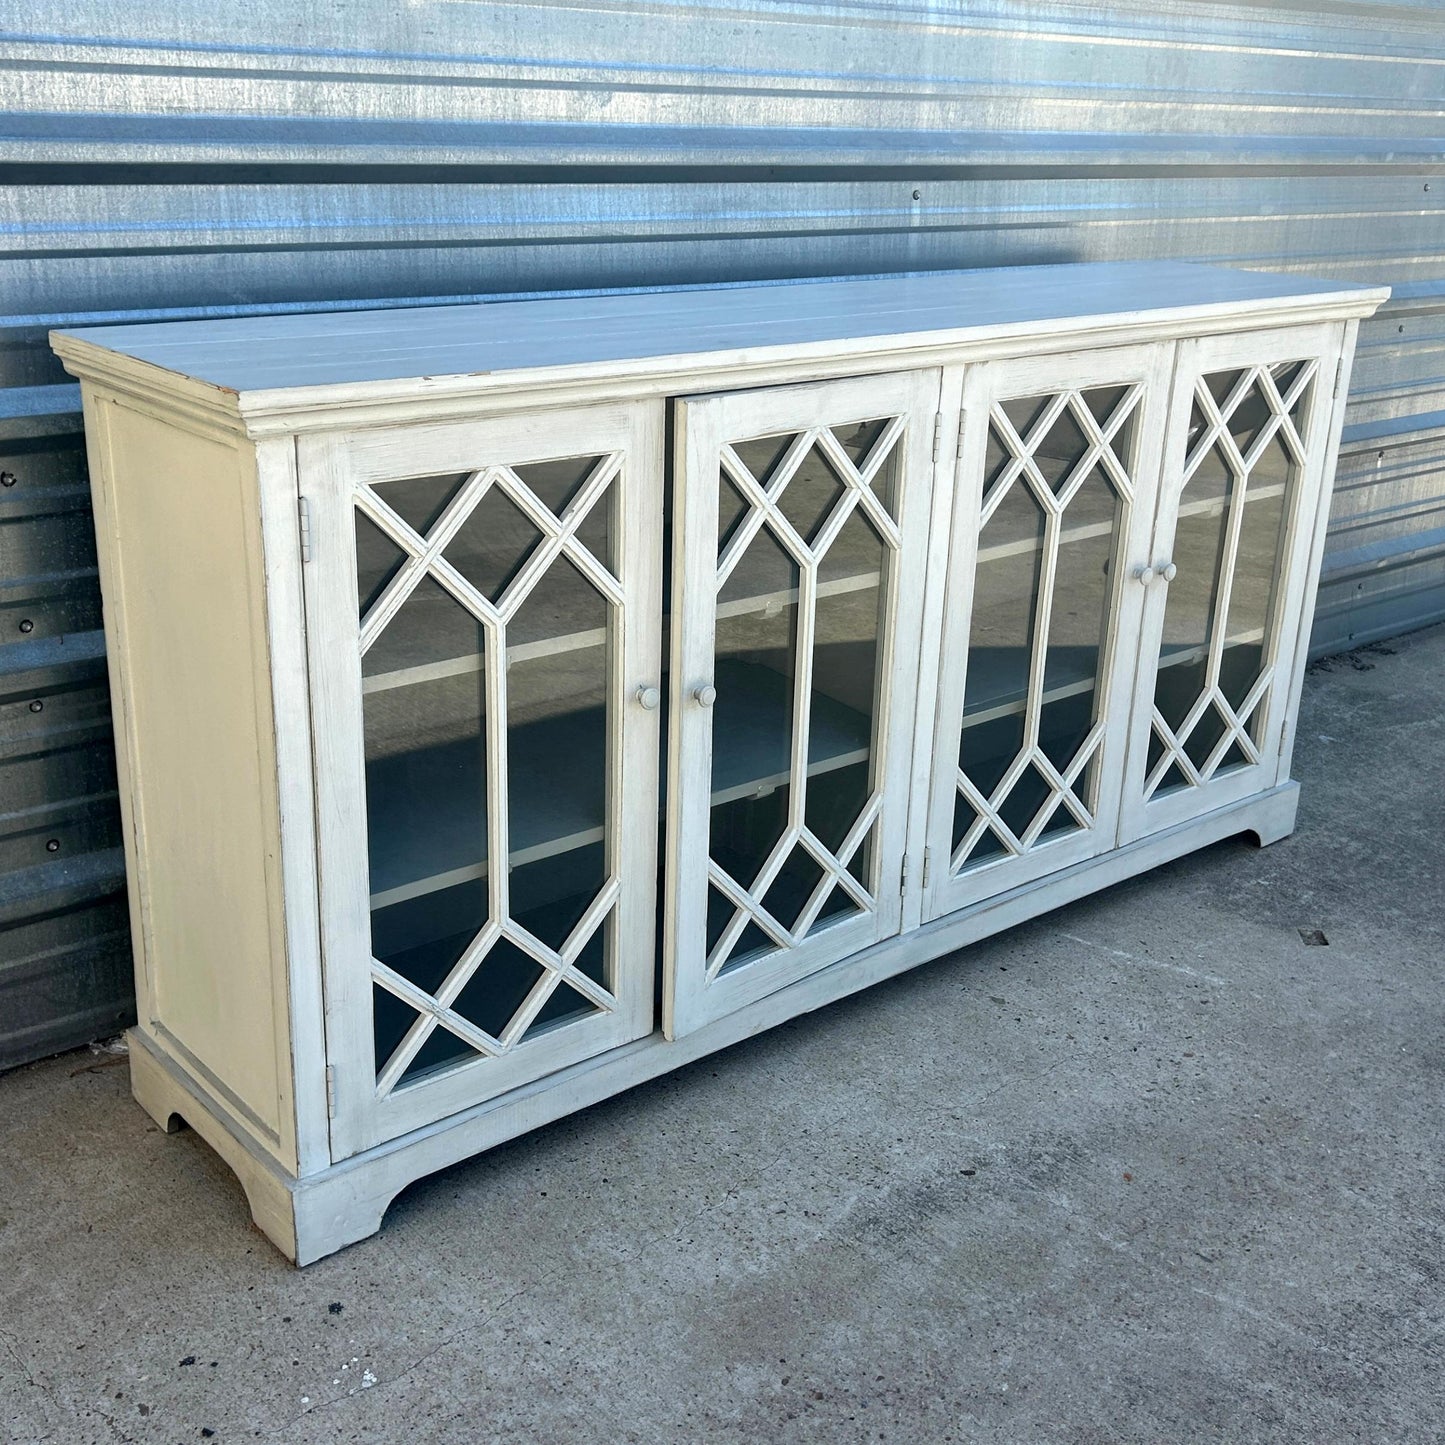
<point>1149,1169</point>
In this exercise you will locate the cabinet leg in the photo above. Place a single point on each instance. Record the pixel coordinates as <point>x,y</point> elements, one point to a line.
<point>1275,817</point>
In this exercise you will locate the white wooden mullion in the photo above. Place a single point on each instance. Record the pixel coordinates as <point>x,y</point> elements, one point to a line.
<point>807,620</point>
<point>1061,792</point>
<point>593,570</point>
<point>1253,697</point>
<point>1293,440</point>
<point>1190,721</point>
<point>1043,423</point>
<point>873,508</point>
<point>402,1055</point>
<point>824,886</point>
<point>792,459</point>
<point>852,481</point>
<point>837,456</point>
<point>773,863</point>
<point>739,897</point>
<point>1266,435</point>
<point>536,511</point>
<point>837,518</point>
<point>727,941</point>
<point>498,824</point>
<point>975,830</point>
<point>1092,457</point>
<point>1040,820</point>
<point>1043,616</point>
<point>551,960</point>
<point>536,1000</point>
<point>389,603</point>
<point>462,971</point>
<point>748,525</point>
<point>1126,406</point>
<point>882,450</point>
<point>424,1003</point>
<point>1229,553</point>
<point>1174,753</point>
<point>597,910</point>
<point>1086,751</point>
<point>1103,437</point>
<point>463,591</point>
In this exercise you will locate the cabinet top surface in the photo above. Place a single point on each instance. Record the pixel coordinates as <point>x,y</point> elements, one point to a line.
<point>484,339</point>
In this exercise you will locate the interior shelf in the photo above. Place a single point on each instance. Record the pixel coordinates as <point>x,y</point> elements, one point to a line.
<point>426,809</point>
<point>994,672</point>
<point>595,637</point>
<point>1082,531</point>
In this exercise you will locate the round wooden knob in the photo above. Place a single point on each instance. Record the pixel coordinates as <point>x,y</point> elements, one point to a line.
<point>1168,571</point>
<point>648,697</point>
<point>1144,575</point>
<point>706,695</point>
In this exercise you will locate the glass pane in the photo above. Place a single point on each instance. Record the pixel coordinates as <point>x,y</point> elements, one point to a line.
<point>1005,592</point>
<point>1024,412</point>
<point>850,623</point>
<point>1204,654</point>
<point>556,754</point>
<point>997,457</point>
<point>756,663</point>
<point>557,485</point>
<point>761,455</point>
<point>426,729</point>
<point>1012,552</point>
<point>1189,608</point>
<point>1102,402</point>
<point>858,439</point>
<point>810,495</point>
<point>1254,591</point>
<point>420,501</point>
<point>378,560</point>
<point>490,547</point>
<point>1078,624</point>
<point>1060,450</point>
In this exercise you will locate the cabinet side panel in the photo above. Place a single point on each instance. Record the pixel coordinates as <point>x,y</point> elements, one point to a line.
<point>200,775</point>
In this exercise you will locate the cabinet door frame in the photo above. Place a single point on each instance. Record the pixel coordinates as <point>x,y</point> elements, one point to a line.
<point>1147,366</point>
<point>702,424</point>
<point>1287,639</point>
<point>333,469</point>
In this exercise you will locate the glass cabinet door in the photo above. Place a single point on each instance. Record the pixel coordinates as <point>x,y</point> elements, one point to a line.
<point>484,618</point>
<point>1232,566</point>
<point>1052,505</point>
<point>801,520</point>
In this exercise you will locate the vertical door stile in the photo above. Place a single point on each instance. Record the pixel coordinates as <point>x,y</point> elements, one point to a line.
<point>801,518</point>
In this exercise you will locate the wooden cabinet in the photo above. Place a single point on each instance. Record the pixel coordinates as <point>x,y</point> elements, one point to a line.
<point>516,702</point>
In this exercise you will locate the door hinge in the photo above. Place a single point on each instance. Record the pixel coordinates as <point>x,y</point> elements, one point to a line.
<point>937,434</point>
<point>927,865</point>
<point>1339,371</point>
<point>331,1091</point>
<point>303,522</point>
<point>903,876</point>
<point>958,443</point>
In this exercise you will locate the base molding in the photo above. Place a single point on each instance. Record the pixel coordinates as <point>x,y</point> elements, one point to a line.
<point>313,1216</point>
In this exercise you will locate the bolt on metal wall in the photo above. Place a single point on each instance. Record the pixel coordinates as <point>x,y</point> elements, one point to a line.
<point>166,160</point>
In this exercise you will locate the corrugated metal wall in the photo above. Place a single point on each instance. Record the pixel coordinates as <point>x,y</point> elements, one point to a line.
<point>166,158</point>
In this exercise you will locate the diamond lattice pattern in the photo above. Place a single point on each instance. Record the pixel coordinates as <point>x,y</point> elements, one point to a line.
<point>474,575</point>
<point>807,545</point>
<point>1215,665</point>
<point>1057,491</point>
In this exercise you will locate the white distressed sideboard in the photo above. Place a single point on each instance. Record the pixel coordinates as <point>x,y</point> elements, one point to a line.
<point>517,701</point>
